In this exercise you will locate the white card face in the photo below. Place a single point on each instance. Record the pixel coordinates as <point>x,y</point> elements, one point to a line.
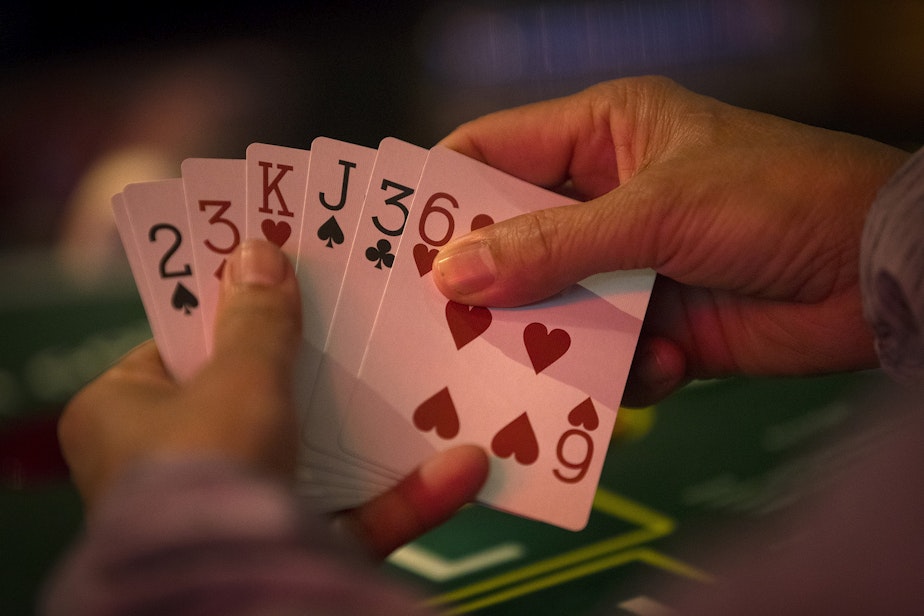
<point>388,201</point>
<point>215,191</point>
<point>124,227</point>
<point>526,384</point>
<point>277,178</point>
<point>157,211</point>
<point>337,178</point>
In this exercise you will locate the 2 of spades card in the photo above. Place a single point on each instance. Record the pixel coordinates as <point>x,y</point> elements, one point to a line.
<point>156,212</point>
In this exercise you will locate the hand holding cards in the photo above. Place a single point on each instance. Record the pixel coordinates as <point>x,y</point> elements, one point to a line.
<point>391,371</point>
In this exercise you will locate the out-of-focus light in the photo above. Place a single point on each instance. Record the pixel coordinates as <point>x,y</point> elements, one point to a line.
<point>88,247</point>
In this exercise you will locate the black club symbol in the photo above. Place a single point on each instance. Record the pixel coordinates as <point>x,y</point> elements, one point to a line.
<point>380,254</point>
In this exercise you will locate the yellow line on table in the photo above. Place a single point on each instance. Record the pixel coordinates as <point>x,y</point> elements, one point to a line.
<point>646,555</point>
<point>654,525</point>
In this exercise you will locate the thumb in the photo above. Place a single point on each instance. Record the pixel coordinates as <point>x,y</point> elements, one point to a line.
<point>248,382</point>
<point>533,256</point>
<point>259,311</point>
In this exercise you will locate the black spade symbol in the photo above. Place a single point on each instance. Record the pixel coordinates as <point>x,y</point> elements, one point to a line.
<point>183,299</point>
<point>330,232</point>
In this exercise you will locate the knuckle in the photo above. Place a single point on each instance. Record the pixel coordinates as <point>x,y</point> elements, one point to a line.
<point>632,88</point>
<point>537,239</point>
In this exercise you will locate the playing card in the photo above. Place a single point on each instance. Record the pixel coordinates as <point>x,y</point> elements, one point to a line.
<point>277,178</point>
<point>338,174</point>
<point>126,234</point>
<point>388,201</point>
<point>215,192</point>
<point>538,387</point>
<point>157,214</point>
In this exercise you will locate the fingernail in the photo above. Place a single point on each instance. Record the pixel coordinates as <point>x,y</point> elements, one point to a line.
<point>437,470</point>
<point>257,263</point>
<point>649,369</point>
<point>460,466</point>
<point>467,267</point>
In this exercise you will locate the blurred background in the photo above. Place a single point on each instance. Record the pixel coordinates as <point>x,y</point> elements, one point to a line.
<point>93,97</point>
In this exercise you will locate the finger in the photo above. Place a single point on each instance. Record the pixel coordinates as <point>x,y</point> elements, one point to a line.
<point>259,307</point>
<point>594,140</point>
<point>92,438</point>
<point>249,379</point>
<point>658,370</point>
<point>548,144</point>
<point>535,255</point>
<point>143,362</point>
<point>423,500</point>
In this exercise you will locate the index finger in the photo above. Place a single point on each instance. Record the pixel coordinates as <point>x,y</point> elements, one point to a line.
<point>589,143</point>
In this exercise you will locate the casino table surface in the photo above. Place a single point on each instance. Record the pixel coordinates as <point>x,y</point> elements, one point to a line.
<point>719,456</point>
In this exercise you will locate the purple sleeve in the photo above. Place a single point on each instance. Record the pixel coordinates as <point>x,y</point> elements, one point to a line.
<point>892,272</point>
<point>198,536</point>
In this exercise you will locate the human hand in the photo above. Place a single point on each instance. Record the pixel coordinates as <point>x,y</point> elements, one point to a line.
<point>752,222</point>
<point>136,410</point>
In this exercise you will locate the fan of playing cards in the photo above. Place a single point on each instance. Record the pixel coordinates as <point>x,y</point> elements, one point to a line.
<point>391,372</point>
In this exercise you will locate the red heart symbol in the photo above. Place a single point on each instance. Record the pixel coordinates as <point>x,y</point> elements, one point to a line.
<point>543,346</point>
<point>276,232</point>
<point>466,322</point>
<point>438,413</point>
<point>481,220</point>
<point>584,414</point>
<point>424,256</point>
<point>517,439</point>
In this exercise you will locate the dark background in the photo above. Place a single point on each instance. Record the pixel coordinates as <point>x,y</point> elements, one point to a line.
<point>81,80</point>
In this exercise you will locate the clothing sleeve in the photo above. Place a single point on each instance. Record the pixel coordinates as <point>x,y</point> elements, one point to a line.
<point>204,536</point>
<point>892,272</point>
